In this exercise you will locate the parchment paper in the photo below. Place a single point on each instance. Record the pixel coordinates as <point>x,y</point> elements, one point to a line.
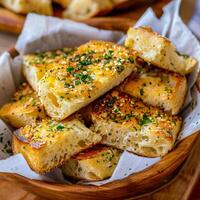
<point>43,33</point>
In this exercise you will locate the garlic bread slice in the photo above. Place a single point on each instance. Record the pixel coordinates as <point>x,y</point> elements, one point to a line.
<point>158,50</point>
<point>24,7</point>
<point>35,65</point>
<point>49,144</point>
<point>129,124</point>
<point>158,88</point>
<point>94,164</point>
<point>92,70</point>
<point>84,9</point>
<point>25,108</point>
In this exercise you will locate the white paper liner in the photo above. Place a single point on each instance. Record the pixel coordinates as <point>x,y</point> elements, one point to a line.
<point>43,33</point>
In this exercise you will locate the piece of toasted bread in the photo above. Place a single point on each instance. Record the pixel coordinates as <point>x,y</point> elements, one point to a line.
<point>92,70</point>
<point>35,65</point>
<point>158,50</point>
<point>24,6</point>
<point>158,88</point>
<point>84,9</point>
<point>25,108</point>
<point>93,164</point>
<point>49,144</point>
<point>129,124</point>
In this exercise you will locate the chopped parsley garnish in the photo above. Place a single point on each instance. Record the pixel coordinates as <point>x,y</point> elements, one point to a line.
<point>116,110</point>
<point>85,62</point>
<point>127,116</point>
<point>131,60</point>
<point>60,127</point>
<point>66,53</point>
<point>120,68</point>
<point>108,55</point>
<point>145,120</point>
<point>141,91</point>
<point>77,82</point>
<point>69,69</point>
<point>91,51</point>
<point>40,55</point>
<point>66,85</point>
<point>111,102</point>
<point>85,78</point>
<point>53,55</point>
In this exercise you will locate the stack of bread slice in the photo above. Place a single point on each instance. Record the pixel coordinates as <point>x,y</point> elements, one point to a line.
<point>83,106</point>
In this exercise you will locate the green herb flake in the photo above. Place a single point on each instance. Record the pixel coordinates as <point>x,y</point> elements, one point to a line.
<point>120,68</point>
<point>145,120</point>
<point>77,82</point>
<point>127,116</point>
<point>108,55</point>
<point>53,55</point>
<point>40,56</point>
<point>141,91</point>
<point>116,110</point>
<point>111,102</point>
<point>69,69</point>
<point>131,60</point>
<point>85,62</point>
<point>60,127</point>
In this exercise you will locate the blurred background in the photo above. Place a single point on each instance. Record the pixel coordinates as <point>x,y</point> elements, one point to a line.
<point>119,14</point>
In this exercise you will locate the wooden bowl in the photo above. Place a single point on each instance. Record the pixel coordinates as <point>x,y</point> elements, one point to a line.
<point>132,186</point>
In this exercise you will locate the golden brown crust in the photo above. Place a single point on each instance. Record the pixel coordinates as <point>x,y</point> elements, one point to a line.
<point>158,50</point>
<point>91,152</point>
<point>24,109</point>
<point>157,87</point>
<point>129,124</point>
<point>90,71</point>
<point>49,144</point>
<point>94,164</point>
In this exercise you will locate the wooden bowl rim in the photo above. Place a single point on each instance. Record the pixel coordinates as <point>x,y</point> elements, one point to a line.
<point>161,168</point>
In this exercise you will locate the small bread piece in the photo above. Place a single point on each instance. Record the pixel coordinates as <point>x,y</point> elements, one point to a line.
<point>158,88</point>
<point>49,144</point>
<point>25,108</point>
<point>158,50</point>
<point>84,9</point>
<point>35,65</point>
<point>93,164</point>
<point>92,70</point>
<point>129,124</point>
<point>63,3</point>
<point>24,6</point>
